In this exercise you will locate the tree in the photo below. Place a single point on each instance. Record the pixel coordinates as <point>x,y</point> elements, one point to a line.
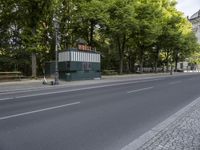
<point>90,16</point>
<point>122,24</point>
<point>149,18</point>
<point>127,33</point>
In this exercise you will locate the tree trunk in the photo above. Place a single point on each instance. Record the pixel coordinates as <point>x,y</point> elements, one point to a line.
<point>91,32</point>
<point>121,65</point>
<point>156,67</point>
<point>156,61</point>
<point>133,68</point>
<point>167,62</point>
<point>121,52</point>
<point>171,67</point>
<point>176,65</point>
<point>33,57</point>
<point>176,61</point>
<point>129,64</point>
<point>34,65</point>
<point>120,56</point>
<point>141,66</point>
<point>141,60</point>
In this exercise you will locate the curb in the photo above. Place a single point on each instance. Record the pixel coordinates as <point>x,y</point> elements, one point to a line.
<point>139,142</point>
<point>37,84</point>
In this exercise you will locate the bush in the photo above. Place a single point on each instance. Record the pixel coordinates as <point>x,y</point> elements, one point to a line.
<point>109,72</point>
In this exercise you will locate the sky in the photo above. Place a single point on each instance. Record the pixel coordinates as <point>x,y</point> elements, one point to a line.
<point>189,7</point>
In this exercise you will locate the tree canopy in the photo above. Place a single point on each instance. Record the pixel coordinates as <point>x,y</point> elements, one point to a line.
<point>129,34</point>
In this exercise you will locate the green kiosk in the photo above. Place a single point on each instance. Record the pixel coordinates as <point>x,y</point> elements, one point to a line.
<point>82,63</point>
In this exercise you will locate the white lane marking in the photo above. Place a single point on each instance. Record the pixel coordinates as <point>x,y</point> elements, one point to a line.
<point>175,82</point>
<point>4,99</point>
<point>21,91</point>
<point>37,111</point>
<point>139,90</point>
<point>73,90</point>
<point>46,88</point>
<point>28,90</point>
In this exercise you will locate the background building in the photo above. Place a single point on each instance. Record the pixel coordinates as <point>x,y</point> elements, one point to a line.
<point>195,20</point>
<point>186,66</point>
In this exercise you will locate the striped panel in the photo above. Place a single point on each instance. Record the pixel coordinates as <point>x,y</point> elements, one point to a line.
<point>79,57</point>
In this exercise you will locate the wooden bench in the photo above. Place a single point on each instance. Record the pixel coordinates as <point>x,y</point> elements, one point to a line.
<point>6,76</point>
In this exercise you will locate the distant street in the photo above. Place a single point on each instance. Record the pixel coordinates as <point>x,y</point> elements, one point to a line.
<point>104,116</point>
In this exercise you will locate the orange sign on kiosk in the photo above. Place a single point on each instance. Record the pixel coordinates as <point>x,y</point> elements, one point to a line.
<point>84,47</point>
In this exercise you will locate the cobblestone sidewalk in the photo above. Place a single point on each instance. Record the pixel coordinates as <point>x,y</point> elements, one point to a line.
<point>183,134</point>
<point>179,132</point>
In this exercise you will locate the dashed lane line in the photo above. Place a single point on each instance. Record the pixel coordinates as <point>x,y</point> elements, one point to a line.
<point>37,111</point>
<point>139,90</point>
<point>4,99</point>
<point>73,90</point>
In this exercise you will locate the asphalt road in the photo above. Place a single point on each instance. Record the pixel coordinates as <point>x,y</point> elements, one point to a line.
<point>98,117</point>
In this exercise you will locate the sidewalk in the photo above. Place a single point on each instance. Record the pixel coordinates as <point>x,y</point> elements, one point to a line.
<point>181,131</point>
<point>33,84</point>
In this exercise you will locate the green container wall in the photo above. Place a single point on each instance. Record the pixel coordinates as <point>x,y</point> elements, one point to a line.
<point>71,71</point>
<point>79,75</point>
<point>77,66</point>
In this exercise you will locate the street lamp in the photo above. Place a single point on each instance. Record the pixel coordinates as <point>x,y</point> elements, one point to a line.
<point>56,26</point>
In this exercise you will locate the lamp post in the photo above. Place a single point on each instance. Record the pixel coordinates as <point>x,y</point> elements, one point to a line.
<point>56,26</point>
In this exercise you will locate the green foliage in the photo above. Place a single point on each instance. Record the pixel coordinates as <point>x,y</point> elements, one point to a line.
<point>128,33</point>
<point>109,72</point>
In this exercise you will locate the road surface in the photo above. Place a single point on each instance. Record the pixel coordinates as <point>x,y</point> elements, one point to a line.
<point>105,116</point>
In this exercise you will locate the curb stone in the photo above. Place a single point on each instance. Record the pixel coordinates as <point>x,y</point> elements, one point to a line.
<point>152,136</point>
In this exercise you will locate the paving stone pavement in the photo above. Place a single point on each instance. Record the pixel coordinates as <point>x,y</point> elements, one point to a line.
<point>181,134</point>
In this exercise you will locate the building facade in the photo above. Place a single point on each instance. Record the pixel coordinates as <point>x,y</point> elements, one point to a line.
<point>195,20</point>
<point>185,65</point>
